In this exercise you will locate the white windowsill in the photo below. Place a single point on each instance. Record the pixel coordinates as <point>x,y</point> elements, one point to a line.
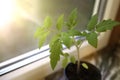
<point>39,69</point>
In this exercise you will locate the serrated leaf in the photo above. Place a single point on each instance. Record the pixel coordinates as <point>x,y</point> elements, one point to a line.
<point>72,19</point>
<point>106,25</point>
<point>72,59</point>
<point>47,22</point>
<point>55,50</point>
<point>66,40</point>
<point>113,24</point>
<point>60,22</point>
<point>92,39</point>
<point>65,62</point>
<point>101,26</point>
<point>92,22</point>
<point>54,38</point>
<point>43,38</point>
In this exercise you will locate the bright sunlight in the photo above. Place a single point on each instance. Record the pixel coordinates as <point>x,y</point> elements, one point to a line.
<point>7,9</point>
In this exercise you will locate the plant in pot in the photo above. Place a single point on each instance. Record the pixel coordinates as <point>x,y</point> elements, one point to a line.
<point>75,69</point>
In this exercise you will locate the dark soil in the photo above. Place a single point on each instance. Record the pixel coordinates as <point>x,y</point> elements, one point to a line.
<point>92,73</point>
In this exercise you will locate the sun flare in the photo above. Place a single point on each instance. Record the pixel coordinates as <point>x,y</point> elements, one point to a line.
<point>7,9</point>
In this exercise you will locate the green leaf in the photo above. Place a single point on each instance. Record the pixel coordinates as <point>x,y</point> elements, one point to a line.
<point>47,22</point>
<point>106,25</point>
<point>39,32</point>
<point>55,50</point>
<point>65,54</point>
<point>65,62</point>
<point>72,59</point>
<point>43,38</point>
<point>52,41</point>
<point>85,65</point>
<point>92,39</point>
<point>74,32</point>
<point>72,19</point>
<point>92,22</point>
<point>43,29</point>
<point>84,33</point>
<point>60,22</point>
<point>66,40</point>
<point>112,24</point>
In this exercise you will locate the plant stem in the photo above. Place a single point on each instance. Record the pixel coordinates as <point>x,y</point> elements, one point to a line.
<point>78,56</point>
<point>78,53</point>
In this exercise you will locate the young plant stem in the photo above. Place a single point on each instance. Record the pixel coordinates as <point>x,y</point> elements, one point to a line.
<point>78,56</point>
<point>78,53</point>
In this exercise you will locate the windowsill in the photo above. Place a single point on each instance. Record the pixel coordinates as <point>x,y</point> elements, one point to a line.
<point>41,68</point>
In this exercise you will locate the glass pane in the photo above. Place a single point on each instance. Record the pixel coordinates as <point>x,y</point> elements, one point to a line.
<point>20,18</point>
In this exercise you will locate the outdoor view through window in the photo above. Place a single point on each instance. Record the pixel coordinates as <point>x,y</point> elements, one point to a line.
<point>20,18</point>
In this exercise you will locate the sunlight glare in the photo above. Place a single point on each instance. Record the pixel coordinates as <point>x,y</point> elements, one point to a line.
<point>7,8</point>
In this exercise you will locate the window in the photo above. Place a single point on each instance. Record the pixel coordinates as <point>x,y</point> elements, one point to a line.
<point>23,17</point>
<point>29,16</point>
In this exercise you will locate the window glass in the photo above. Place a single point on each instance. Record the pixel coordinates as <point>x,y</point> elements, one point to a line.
<point>20,18</point>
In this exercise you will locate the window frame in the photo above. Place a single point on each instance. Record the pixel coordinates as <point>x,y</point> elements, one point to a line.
<point>39,66</point>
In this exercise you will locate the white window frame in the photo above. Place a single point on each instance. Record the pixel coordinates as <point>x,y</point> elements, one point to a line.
<point>41,68</point>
